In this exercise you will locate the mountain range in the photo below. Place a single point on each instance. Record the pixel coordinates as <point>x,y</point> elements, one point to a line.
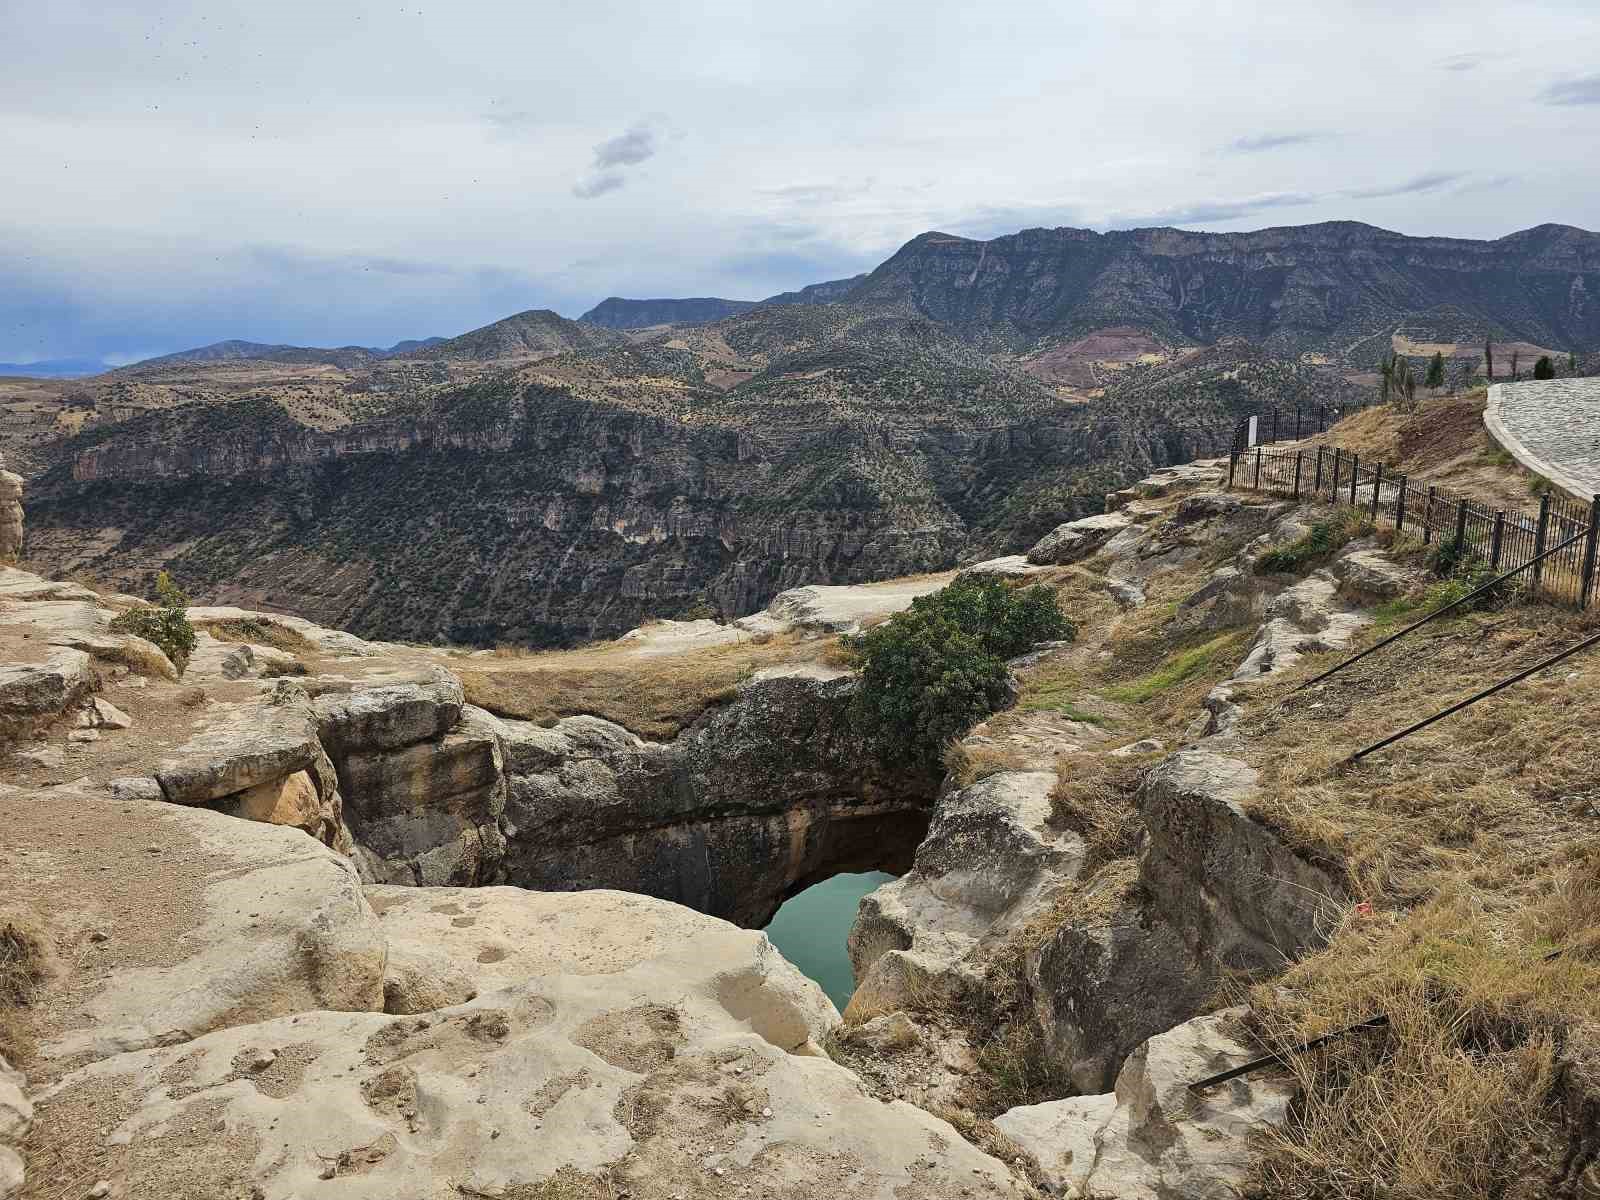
<point>543,481</point>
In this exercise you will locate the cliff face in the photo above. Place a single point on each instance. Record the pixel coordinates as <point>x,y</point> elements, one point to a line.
<point>1297,287</point>
<point>529,510</point>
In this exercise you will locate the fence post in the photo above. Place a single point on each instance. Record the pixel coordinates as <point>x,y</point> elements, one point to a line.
<point>1333,488</point>
<point>1274,425</point>
<point>1233,462</point>
<point>1498,538</point>
<point>1400,507</point>
<point>1258,466</point>
<point>1540,537</point>
<point>1355,477</point>
<point>1322,418</point>
<point>1591,553</point>
<point>1461,529</point>
<point>1297,422</point>
<point>1316,488</point>
<point>1377,492</point>
<point>1299,463</point>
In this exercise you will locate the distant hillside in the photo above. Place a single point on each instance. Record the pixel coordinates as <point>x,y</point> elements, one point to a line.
<point>616,313</point>
<point>53,368</point>
<point>233,350</point>
<point>534,333</point>
<point>1312,287</point>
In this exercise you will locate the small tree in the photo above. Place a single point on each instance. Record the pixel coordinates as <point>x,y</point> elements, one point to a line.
<point>167,624</point>
<point>1544,368</point>
<point>1435,379</point>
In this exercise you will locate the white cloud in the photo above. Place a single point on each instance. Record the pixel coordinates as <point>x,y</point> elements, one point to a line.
<point>149,148</point>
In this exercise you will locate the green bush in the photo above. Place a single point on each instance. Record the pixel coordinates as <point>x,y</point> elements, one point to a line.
<point>932,672</point>
<point>1323,539</point>
<point>167,625</point>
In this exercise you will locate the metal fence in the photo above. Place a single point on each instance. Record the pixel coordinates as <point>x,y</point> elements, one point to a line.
<point>1500,538</point>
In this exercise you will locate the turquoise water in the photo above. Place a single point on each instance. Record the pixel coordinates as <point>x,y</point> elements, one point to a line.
<point>810,930</point>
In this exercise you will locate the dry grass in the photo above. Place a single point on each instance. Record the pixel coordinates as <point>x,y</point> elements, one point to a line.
<point>260,631</point>
<point>968,764</point>
<point>1465,1093</point>
<point>1095,797</point>
<point>653,696</point>
<point>27,963</point>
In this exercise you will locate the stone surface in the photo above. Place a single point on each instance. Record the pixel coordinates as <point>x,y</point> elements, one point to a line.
<point>239,747</point>
<point>16,1118</point>
<point>430,812</point>
<point>628,1046</point>
<point>212,921</point>
<point>1078,539</point>
<point>989,862</point>
<point>304,800</point>
<point>10,515</point>
<point>389,717</point>
<point>108,716</point>
<point>1371,575</point>
<point>1152,1139</point>
<point>1551,427</point>
<point>32,693</point>
<point>1012,566</point>
<point>822,608</point>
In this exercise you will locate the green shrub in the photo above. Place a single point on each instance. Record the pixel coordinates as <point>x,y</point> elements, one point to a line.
<point>167,625</point>
<point>932,672</point>
<point>1323,539</point>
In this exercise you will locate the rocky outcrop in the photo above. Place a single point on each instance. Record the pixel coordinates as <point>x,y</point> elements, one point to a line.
<point>1078,539</point>
<point>754,802</point>
<point>10,514</point>
<point>1152,1138</point>
<point>34,693</point>
<point>1214,892</point>
<point>16,1118</point>
<point>989,862</point>
<point>615,1044</point>
<point>1369,576</point>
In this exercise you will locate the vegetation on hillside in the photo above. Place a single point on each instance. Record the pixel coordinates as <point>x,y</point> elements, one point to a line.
<point>166,624</point>
<point>930,673</point>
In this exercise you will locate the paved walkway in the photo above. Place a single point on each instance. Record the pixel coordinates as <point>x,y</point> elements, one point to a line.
<point>1552,427</point>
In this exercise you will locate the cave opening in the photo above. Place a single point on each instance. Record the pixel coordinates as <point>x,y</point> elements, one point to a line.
<point>812,927</point>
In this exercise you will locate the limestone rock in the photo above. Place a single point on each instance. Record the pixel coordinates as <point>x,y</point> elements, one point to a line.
<point>10,516</point>
<point>1153,1139</point>
<point>109,716</point>
<point>1078,539</point>
<point>429,812</point>
<point>1012,566</point>
<point>987,864</point>
<point>1303,619</point>
<point>232,921</point>
<point>1371,575</point>
<point>294,800</point>
<point>34,693</point>
<point>1142,746</point>
<point>823,608</point>
<point>240,747</point>
<point>1230,597</point>
<point>758,797</point>
<point>389,717</point>
<point>624,1045</point>
<point>16,1118</point>
<point>1205,473</point>
<point>135,787</point>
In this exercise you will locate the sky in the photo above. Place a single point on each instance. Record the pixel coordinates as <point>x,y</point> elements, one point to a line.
<point>177,172</point>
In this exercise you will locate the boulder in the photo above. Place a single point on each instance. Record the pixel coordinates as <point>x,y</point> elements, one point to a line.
<point>34,693</point>
<point>1370,576</point>
<point>1078,539</point>
<point>307,800</point>
<point>620,1045</point>
<point>389,717</point>
<point>1152,1138</point>
<point>842,608</point>
<point>1230,597</point>
<point>241,746</point>
<point>1306,618</point>
<point>108,716</point>
<point>1012,566</point>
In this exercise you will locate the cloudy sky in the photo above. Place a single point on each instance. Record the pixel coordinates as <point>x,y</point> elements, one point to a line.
<point>180,171</point>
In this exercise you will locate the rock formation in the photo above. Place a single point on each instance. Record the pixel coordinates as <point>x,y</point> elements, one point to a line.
<point>10,514</point>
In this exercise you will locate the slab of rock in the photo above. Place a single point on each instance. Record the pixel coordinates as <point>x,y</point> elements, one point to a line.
<point>1306,618</point>
<point>33,693</point>
<point>390,716</point>
<point>307,800</point>
<point>1204,473</point>
<point>1012,566</point>
<point>1371,575</point>
<point>212,921</point>
<point>1153,1139</point>
<point>16,1118</point>
<point>128,649</point>
<point>239,747</point>
<point>841,608</point>
<point>108,716</point>
<point>633,1047</point>
<point>1078,539</point>
<point>330,641</point>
